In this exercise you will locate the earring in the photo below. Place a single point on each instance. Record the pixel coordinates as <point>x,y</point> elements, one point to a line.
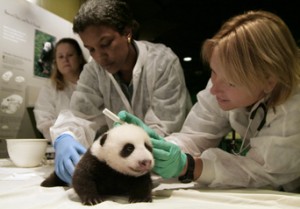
<point>129,39</point>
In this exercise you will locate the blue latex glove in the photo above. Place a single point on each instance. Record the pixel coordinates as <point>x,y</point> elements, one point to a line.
<point>129,118</point>
<point>169,159</point>
<point>67,155</point>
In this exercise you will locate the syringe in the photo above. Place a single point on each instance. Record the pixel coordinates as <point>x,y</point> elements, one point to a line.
<point>112,116</point>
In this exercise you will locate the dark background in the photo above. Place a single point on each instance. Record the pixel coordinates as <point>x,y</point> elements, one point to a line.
<point>183,25</point>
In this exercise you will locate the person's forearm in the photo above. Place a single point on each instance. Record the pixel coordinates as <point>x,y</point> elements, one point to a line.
<point>198,168</point>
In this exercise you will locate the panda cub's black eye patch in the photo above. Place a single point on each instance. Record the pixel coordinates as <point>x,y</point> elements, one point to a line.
<point>148,147</point>
<point>127,150</point>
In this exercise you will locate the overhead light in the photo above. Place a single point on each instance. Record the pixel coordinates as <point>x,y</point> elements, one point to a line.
<point>187,59</point>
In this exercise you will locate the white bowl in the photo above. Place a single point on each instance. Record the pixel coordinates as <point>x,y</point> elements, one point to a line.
<point>26,152</point>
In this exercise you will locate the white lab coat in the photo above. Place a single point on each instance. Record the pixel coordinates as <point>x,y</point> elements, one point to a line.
<point>48,105</point>
<point>160,97</point>
<point>274,156</point>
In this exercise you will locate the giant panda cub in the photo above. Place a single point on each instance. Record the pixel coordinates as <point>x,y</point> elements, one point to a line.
<point>118,163</point>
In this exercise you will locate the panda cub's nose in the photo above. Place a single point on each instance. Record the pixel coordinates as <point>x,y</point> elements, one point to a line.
<point>145,164</point>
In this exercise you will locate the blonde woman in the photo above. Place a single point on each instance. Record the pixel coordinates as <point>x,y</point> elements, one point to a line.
<point>254,90</point>
<point>55,95</point>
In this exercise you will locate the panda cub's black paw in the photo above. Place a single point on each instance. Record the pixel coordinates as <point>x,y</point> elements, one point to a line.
<point>52,181</point>
<point>91,200</point>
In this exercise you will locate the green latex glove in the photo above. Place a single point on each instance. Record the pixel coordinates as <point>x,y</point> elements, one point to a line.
<point>129,118</point>
<point>169,159</point>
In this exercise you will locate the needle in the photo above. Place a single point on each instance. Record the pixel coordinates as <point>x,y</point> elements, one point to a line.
<point>112,116</point>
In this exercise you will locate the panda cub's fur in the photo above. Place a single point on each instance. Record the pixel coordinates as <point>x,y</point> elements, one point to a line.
<point>118,163</point>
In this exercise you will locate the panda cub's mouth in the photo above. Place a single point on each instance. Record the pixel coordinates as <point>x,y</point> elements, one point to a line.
<point>141,168</point>
<point>139,171</point>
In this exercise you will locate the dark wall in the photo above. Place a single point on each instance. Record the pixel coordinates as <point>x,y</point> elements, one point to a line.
<point>183,25</point>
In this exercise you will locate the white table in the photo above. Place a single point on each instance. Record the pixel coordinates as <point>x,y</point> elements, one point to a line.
<point>19,189</point>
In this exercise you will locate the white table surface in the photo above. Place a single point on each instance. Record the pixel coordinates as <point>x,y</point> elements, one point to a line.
<point>20,189</point>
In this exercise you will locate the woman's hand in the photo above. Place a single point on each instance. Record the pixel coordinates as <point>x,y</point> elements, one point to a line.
<point>169,159</point>
<point>129,118</point>
<point>67,154</point>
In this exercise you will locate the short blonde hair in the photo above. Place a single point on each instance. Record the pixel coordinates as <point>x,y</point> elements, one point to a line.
<point>254,46</point>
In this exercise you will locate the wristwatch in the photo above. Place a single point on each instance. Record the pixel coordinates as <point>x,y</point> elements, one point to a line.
<point>189,175</point>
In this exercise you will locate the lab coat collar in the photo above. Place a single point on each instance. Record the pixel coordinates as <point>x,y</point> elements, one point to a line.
<point>141,58</point>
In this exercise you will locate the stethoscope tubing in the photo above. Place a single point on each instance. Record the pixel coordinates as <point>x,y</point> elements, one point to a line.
<point>260,126</point>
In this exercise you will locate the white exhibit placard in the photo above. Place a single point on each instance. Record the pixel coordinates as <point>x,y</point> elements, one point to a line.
<point>27,33</point>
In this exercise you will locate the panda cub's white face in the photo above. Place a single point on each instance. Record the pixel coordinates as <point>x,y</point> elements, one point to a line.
<point>126,148</point>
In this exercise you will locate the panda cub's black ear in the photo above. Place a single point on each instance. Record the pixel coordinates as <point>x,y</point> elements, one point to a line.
<point>103,139</point>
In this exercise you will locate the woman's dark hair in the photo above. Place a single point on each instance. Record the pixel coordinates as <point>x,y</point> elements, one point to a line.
<point>112,13</point>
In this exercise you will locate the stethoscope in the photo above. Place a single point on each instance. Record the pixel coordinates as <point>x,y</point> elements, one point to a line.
<point>242,149</point>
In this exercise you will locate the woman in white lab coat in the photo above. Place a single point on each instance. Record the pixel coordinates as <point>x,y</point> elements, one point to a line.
<point>140,77</point>
<point>254,90</point>
<point>56,94</point>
